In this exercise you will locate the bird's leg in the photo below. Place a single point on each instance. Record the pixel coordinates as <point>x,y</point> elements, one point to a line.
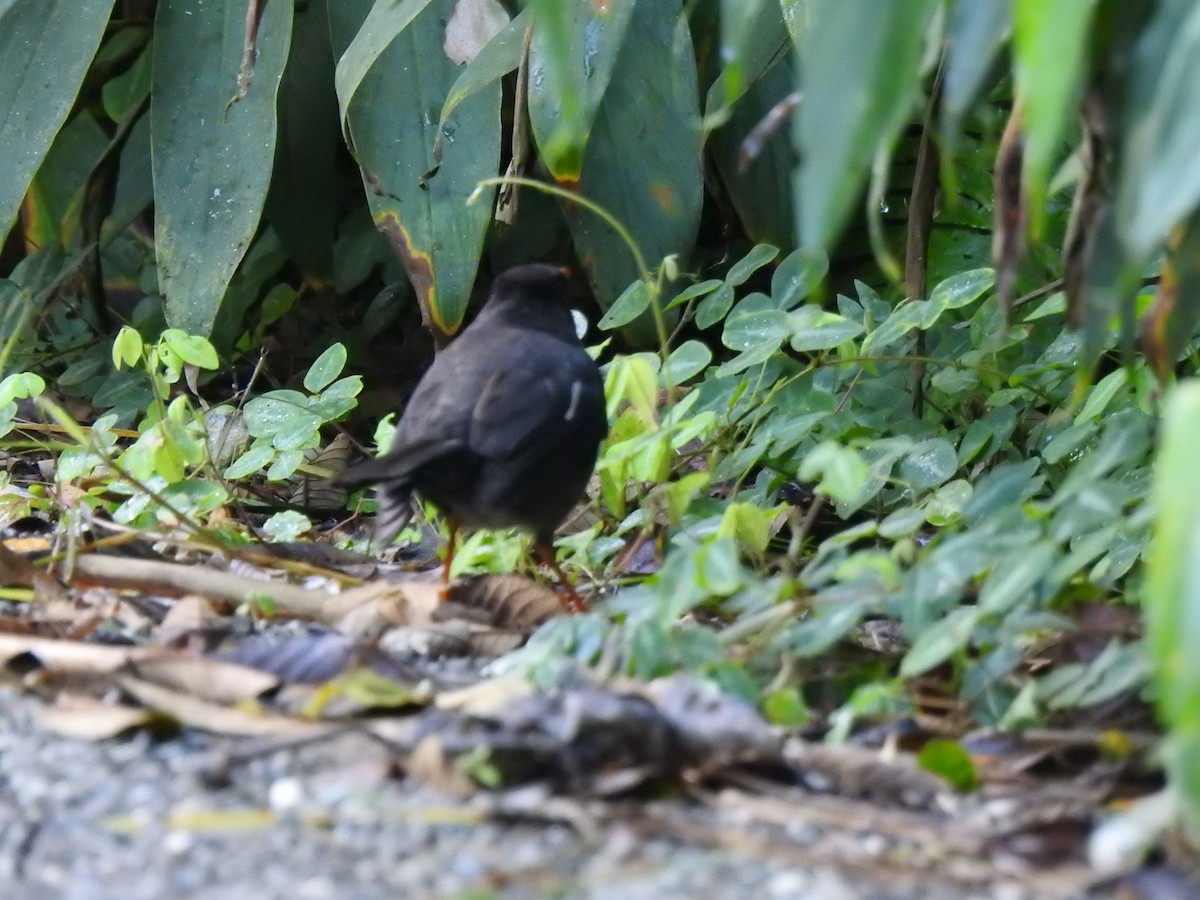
<point>543,552</point>
<point>452,526</point>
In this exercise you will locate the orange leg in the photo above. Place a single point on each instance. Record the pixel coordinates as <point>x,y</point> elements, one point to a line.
<point>544,553</point>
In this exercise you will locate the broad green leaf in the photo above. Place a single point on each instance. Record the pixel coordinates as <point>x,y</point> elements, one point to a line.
<point>950,761</point>
<point>419,205</point>
<point>193,350</point>
<point>21,385</point>
<point>940,641</point>
<point>1102,394</point>
<point>373,36</point>
<point>977,31</point>
<point>929,464</point>
<point>1171,597</point>
<point>859,77</point>
<point>1049,40</point>
<point>752,37</point>
<point>814,329</point>
<point>796,276</point>
<point>212,157</point>
<point>758,257</point>
<point>755,323</point>
<point>46,47</point>
<point>686,361</point>
<point>841,472</point>
<point>961,289</point>
<point>642,162</point>
<point>634,301</point>
<point>501,55</point>
<point>250,462</point>
<point>1016,575</point>
<point>909,315</point>
<point>1159,180</point>
<point>325,368</point>
<point>302,204</point>
<point>715,306</point>
<point>700,289</point>
<point>760,188</point>
<point>573,56</point>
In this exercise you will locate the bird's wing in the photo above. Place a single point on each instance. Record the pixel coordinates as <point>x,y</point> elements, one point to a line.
<point>516,404</point>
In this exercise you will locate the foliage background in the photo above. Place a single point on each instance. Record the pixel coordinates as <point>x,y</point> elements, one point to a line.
<point>943,298</point>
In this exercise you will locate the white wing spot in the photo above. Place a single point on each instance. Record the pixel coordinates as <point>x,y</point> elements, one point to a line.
<point>573,407</point>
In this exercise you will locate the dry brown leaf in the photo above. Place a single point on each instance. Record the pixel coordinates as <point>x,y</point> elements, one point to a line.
<point>471,26</point>
<point>88,719</point>
<point>196,713</point>
<point>370,609</point>
<point>430,763</point>
<point>485,697</point>
<point>216,680</point>
<point>70,656</point>
<point>189,614</point>
<point>510,601</point>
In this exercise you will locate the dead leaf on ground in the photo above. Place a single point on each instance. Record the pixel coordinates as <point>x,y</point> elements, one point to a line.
<point>198,713</point>
<point>88,719</point>
<point>510,601</point>
<point>370,609</point>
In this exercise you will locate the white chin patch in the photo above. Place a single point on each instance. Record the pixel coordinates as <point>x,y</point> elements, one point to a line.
<point>581,323</point>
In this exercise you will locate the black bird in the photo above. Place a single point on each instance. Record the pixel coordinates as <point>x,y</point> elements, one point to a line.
<point>504,428</point>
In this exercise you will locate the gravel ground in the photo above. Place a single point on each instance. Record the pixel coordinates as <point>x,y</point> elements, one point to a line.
<point>144,819</point>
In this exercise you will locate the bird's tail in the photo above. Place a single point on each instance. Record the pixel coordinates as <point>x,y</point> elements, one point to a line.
<point>394,496</point>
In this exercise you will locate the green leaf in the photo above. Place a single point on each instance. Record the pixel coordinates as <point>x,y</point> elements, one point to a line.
<point>755,323</point>
<point>1171,597</point>
<point>643,158</point>
<point>46,47</point>
<point>419,205</point>
<point>327,367</point>
<point>959,290</point>
<point>253,460</point>
<point>715,306</point>
<point>212,158</point>
<point>860,77</point>
<point>501,55</point>
<point>127,348</point>
<point>758,257</point>
<point>1049,40</point>
<point>929,464</point>
<point>800,272</point>
<point>908,316</point>
<point>1159,182</point>
<point>574,55</point>
<point>385,20</point>
<point>949,760</point>
<point>700,289</point>
<point>940,641</point>
<point>287,525</point>
<point>815,329</point>
<point>192,349</point>
<point>1102,394</point>
<point>1015,575</point>
<point>21,385</point>
<point>632,303</point>
<point>686,361</point>
<point>976,33</point>
<point>786,708</point>
<point>841,472</point>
